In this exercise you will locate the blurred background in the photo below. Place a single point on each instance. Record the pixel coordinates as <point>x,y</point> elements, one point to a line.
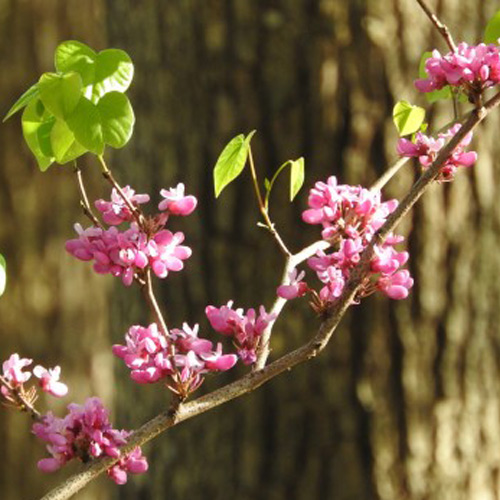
<point>405,402</point>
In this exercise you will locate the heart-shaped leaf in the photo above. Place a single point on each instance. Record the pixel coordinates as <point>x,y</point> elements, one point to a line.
<point>60,93</point>
<point>407,118</point>
<point>24,100</point>
<point>110,121</point>
<point>76,56</point>
<point>37,124</point>
<point>114,71</point>
<point>117,119</point>
<point>64,144</point>
<point>231,161</point>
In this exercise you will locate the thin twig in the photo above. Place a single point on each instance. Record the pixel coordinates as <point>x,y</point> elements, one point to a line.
<point>262,207</point>
<point>84,200</point>
<point>388,174</point>
<point>108,175</point>
<point>290,264</point>
<point>441,27</point>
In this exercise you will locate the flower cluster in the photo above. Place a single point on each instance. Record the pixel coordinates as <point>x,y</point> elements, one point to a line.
<point>246,329</point>
<point>14,374</point>
<point>426,149</point>
<point>179,356</point>
<point>146,242</point>
<point>86,433</point>
<point>470,68</point>
<point>350,216</point>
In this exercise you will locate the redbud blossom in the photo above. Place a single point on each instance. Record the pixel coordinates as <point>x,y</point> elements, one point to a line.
<point>470,67</point>
<point>176,203</point>
<point>246,329</point>
<point>116,211</point>
<point>152,356</point>
<point>86,433</point>
<point>13,370</point>
<point>426,149</point>
<point>295,288</point>
<point>49,380</point>
<point>350,216</point>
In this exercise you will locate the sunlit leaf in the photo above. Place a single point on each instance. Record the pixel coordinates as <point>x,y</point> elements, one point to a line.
<point>231,161</point>
<point>407,118</point>
<point>114,71</point>
<point>60,93</point>
<point>36,124</point>
<point>117,119</point>
<point>24,100</point>
<point>64,145</point>
<point>296,177</point>
<point>76,56</point>
<point>492,30</point>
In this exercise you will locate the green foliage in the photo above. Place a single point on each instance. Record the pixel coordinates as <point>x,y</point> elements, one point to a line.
<point>407,118</point>
<point>231,161</point>
<point>3,274</point>
<point>81,107</point>
<point>492,31</point>
<point>32,93</point>
<point>37,124</point>
<point>296,177</point>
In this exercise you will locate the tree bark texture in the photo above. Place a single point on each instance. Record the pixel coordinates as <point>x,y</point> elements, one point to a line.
<point>406,403</point>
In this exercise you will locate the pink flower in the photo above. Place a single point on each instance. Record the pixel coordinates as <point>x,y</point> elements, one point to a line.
<point>49,381</point>
<point>175,202</point>
<point>116,211</point>
<point>426,149</point>
<point>470,68</point>
<point>350,217</point>
<point>295,288</point>
<point>246,329</point>
<point>13,370</point>
<point>85,433</point>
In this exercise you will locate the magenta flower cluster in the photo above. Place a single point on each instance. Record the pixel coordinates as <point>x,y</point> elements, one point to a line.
<point>426,149</point>
<point>350,216</point>
<point>14,374</point>
<point>86,433</point>
<point>245,329</point>
<point>470,68</point>
<point>144,244</point>
<point>180,356</point>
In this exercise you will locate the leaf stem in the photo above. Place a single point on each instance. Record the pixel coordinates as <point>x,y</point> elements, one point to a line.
<point>263,209</point>
<point>84,200</point>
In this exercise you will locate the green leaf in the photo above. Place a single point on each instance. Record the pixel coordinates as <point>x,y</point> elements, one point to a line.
<point>3,274</point>
<point>60,93</point>
<point>64,144</point>
<point>108,71</point>
<point>76,56</point>
<point>113,72</point>
<point>436,95</point>
<point>23,101</point>
<point>36,125</point>
<point>407,118</point>
<point>296,177</point>
<point>231,161</point>
<point>117,119</point>
<point>85,123</point>
<point>492,30</point>
<point>110,121</point>
<point>267,184</point>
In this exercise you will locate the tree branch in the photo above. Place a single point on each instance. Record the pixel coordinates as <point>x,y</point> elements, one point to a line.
<point>441,27</point>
